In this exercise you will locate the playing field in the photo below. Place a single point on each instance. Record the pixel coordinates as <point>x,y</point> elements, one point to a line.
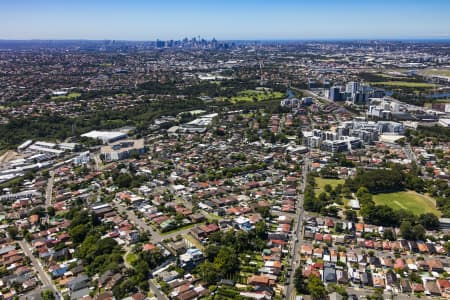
<point>321,182</point>
<point>254,95</point>
<point>438,72</point>
<point>69,96</point>
<point>409,200</point>
<point>404,84</point>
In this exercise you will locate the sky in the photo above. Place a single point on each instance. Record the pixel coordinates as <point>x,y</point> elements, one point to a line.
<point>224,19</point>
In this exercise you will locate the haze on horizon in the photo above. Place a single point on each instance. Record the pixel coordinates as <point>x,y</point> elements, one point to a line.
<point>225,19</point>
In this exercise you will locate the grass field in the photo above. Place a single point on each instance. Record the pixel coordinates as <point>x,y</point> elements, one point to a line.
<point>408,200</point>
<point>253,95</point>
<point>404,84</point>
<point>321,182</point>
<point>437,72</point>
<point>69,96</point>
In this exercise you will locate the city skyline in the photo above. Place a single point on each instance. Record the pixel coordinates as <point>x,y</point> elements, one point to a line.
<point>225,20</point>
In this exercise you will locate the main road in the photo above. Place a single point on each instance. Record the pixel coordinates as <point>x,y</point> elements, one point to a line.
<point>297,236</point>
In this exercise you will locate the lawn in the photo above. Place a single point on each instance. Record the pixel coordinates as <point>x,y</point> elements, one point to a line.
<point>194,241</point>
<point>254,95</point>
<point>69,96</point>
<point>404,84</point>
<point>408,200</point>
<point>321,182</point>
<point>183,227</point>
<point>131,258</point>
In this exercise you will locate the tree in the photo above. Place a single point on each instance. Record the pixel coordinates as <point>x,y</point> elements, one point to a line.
<point>379,215</point>
<point>350,215</point>
<point>78,233</point>
<point>208,272</point>
<point>260,230</point>
<point>226,261</point>
<point>124,180</point>
<point>316,288</point>
<point>211,252</point>
<point>241,241</point>
<point>419,232</point>
<point>406,230</point>
<point>429,220</point>
<point>327,188</point>
<point>378,181</point>
<point>413,233</point>
<point>51,211</point>
<point>47,295</point>
<point>377,295</point>
<point>264,211</point>
<point>299,281</point>
<point>323,197</point>
<point>388,234</point>
<point>12,232</point>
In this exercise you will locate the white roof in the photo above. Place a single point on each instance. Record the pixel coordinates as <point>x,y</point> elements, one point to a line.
<point>104,135</point>
<point>45,144</point>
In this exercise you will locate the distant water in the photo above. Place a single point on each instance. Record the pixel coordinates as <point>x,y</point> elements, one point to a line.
<point>442,95</point>
<point>290,94</point>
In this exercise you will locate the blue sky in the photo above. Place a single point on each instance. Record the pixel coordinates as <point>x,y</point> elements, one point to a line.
<point>224,19</point>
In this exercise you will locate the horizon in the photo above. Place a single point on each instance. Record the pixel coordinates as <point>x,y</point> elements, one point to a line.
<point>336,39</point>
<point>138,20</point>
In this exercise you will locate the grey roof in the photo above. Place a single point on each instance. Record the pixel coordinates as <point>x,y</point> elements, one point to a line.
<point>78,283</point>
<point>80,293</point>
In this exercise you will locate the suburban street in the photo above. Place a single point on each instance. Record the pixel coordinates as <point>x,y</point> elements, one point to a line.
<point>43,276</point>
<point>156,292</point>
<point>298,233</point>
<point>49,189</point>
<point>156,237</point>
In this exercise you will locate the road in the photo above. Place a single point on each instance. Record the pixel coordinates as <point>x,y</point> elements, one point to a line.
<point>298,232</point>
<point>98,162</point>
<point>156,292</point>
<point>409,152</point>
<point>43,276</point>
<point>314,95</point>
<point>49,189</point>
<point>156,236</point>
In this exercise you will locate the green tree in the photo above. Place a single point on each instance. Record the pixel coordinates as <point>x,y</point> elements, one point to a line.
<point>12,232</point>
<point>350,215</point>
<point>299,281</point>
<point>406,230</point>
<point>208,272</point>
<point>47,295</point>
<point>226,261</point>
<point>419,232</point>
<point>51,211</point>
<point>79,233</point>
<point>388,234</point>
<point>316,288</point>
<point>429,220</point>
